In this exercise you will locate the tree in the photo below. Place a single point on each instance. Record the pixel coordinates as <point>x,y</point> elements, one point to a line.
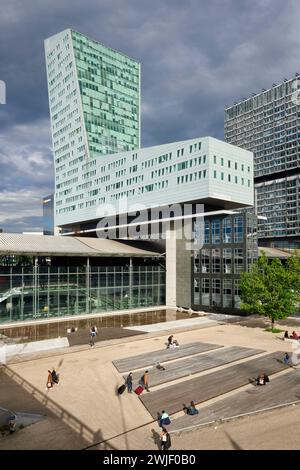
<point>269,289</point>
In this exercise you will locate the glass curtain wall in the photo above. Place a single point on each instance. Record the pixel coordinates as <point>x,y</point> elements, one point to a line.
<point>35,292</point>
<point>229,249</point>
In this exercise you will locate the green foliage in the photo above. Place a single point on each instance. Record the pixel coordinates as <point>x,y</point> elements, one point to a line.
<point>271,289</point>
<point>274,330</point>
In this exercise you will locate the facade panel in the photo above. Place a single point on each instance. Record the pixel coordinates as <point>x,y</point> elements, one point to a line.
<point>167,174</point>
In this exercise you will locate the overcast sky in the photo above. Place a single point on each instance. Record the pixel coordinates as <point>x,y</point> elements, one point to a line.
<point>197,56</point>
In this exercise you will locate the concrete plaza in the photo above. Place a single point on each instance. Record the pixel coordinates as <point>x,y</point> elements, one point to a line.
<point>84,411</point>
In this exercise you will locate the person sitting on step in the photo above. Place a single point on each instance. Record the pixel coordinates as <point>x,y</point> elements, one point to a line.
<point>192,410</point>
<point>286,335</point>
<point>164,419</point>
<point>172,343</point>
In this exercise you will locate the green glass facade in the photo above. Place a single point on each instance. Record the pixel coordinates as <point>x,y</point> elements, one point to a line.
<point>110,94</point>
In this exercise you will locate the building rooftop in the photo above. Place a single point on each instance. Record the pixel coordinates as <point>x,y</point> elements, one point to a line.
<point>40,245</point>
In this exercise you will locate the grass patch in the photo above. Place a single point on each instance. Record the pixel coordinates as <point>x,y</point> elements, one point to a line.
<point>273,330</point>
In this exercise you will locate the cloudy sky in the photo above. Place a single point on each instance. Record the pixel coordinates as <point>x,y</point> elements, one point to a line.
<point>196,55</point>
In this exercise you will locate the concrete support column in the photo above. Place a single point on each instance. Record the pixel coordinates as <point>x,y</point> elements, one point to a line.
<point>171,266</point>
<point>88,302</point>
<point>178,269</point>
<point>130,282</point>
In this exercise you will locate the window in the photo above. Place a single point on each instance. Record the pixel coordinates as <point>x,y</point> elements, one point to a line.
<point>205,261</point>
<point>237,293</point>
<point>238,261</point>
<point>216,231</point>
<point>215,174</point>
<point>229,178</point>
<point>205,292</point>
<point>222,176</point>
<point>227,262</point>
<point>222,161</point>
<point>191,148</point>
<point>227,230</point>
<point>215,159</point>
<point>235,166</point>
<point>248,183</point>
<point>236,179</point>
<point>196,291</point>
<point>206,232</point>
<point>216,260</point>
<point>228,163</point>
<point>227,293</point>
<point>238,229</point>
<point>216,292</point>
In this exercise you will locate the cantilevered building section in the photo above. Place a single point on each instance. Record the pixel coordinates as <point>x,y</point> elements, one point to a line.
<point>94,100</point>
<point>268,124</point>
<point>203,170</point>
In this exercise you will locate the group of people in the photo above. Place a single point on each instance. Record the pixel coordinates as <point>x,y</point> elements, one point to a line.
<point>52,379</point>
<point>144,381</point>
<point>294,335</point>
<point>163,418</point>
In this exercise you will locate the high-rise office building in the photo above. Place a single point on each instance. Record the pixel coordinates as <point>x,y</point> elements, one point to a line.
<point>94,100</point>
<point>268,124</point>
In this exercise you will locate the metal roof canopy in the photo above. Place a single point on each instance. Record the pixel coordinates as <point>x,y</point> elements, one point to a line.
<point>273,252</point>
<point>47,245</point>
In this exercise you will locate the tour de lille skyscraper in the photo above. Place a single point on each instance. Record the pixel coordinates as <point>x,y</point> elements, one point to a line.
<point>94,100</point>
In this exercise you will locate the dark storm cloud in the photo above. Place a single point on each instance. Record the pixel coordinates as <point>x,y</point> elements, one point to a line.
<point>196,56</point>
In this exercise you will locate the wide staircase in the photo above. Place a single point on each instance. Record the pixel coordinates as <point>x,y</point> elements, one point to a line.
<point>220,380</point>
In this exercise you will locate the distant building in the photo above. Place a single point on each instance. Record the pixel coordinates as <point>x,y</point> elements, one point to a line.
<point>267,124</point>
<point>48,215</point>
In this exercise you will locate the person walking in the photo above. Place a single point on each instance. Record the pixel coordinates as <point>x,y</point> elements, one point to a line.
<point>145,381</point>
<point>93,333</point>
<point>128,382</point>
<point>54,376</point>
<point>49,381</point>
<point>165,440</point>
<point>286,359</point>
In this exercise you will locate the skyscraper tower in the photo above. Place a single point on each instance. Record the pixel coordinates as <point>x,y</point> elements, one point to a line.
<point>94,101</point>
<point>268,124</point>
